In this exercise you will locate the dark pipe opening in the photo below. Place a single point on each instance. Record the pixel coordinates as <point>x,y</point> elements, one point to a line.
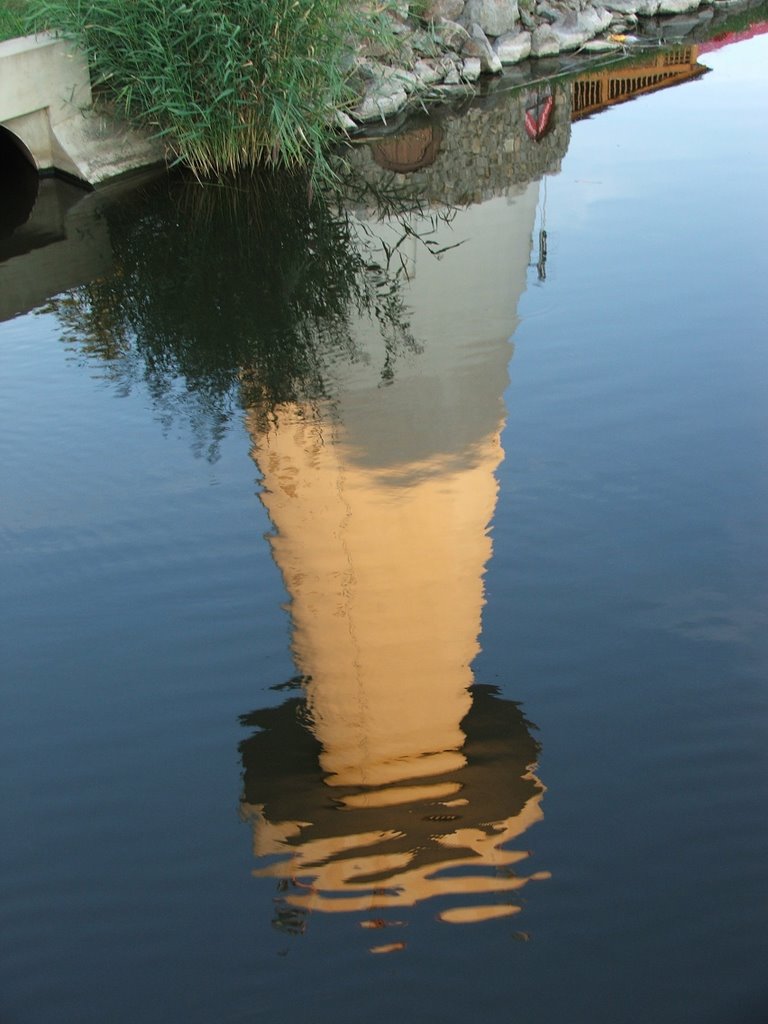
<point>19,183</point>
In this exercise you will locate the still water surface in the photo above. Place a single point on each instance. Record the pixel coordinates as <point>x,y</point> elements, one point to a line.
<point>384,623</point>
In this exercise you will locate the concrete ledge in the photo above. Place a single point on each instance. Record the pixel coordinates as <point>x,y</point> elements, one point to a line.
<point>46,102</point>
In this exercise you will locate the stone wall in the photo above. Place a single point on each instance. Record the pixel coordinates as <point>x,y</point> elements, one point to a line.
<point>444,46</point>
<point>474,155</point>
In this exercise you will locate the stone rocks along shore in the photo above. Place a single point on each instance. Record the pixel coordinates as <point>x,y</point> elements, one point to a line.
<point>443,47</point>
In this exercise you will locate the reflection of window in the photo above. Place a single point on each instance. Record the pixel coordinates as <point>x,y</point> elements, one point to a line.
<point>409,152</point>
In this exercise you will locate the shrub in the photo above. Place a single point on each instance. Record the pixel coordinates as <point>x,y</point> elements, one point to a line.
<point>12,21</point>
<point>228,84</point>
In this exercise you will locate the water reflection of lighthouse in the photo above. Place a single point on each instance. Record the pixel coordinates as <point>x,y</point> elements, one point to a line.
<point>392,778</point>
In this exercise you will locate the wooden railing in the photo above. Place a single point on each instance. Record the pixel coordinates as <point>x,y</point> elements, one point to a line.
<point>600,89</point>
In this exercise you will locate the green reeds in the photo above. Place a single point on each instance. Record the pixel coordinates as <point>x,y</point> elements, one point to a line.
<point>228,84</point>
<point>12,21</point>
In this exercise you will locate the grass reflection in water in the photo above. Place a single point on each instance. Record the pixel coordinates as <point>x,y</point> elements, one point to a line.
<point>232,296</point>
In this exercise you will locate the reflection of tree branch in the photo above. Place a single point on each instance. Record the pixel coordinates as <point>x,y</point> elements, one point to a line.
<point>242,295</point>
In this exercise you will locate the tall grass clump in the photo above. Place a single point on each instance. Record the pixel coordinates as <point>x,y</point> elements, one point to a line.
<point>227,84</point>
<point>12,19</point>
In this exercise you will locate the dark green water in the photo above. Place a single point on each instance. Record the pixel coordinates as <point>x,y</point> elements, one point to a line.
<point>384,618</point>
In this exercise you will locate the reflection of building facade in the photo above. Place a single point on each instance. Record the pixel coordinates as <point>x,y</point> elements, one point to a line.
<point>597,90</point>
<point>480,154</point>
<point>382,502</point>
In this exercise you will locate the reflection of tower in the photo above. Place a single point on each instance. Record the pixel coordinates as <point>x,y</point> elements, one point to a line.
<point>382,503</point>
<point>368,850</point>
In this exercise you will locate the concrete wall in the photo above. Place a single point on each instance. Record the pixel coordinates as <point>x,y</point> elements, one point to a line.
<point>45,101</point>
<point>43,82</point>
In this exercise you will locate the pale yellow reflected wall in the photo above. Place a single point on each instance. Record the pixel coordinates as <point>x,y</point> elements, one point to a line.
<point>381,508</point>
<point>341,867</point>
<point>381,504</point>
<point>386,593</point>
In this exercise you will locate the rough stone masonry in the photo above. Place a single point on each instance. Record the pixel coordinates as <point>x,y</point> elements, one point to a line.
<point>444,46</point>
